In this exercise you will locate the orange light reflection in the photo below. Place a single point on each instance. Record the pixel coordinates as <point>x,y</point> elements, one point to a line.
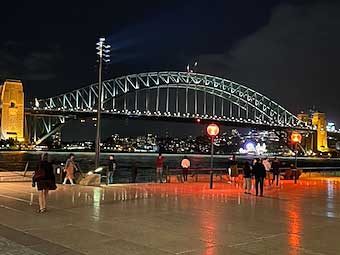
<point>208,228</point>
<point>294,228</point>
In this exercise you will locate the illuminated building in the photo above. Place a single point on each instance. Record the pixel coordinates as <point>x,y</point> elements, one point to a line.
<point>319,120</point>
<point>12,110</point>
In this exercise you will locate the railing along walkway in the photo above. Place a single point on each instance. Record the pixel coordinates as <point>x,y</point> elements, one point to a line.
<point>219,172</point>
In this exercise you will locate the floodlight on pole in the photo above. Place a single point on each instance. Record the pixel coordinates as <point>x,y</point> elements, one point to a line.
<point>103,51</point>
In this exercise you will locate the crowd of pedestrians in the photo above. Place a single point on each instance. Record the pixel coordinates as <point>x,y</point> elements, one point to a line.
<point>259,170</point>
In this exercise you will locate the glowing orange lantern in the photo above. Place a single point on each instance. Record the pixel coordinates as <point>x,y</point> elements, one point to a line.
<point>213,130</point>
<point>296,137</point>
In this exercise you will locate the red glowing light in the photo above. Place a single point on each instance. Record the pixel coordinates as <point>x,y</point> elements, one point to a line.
<point>198,120</point>
<point>213,130</point>
<point>296,137</point>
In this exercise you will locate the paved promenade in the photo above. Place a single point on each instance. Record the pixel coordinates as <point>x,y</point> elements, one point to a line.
<point>172,218</point>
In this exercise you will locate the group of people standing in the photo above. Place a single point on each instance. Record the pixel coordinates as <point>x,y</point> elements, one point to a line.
<point>260,169</point>
<point>185,164</point>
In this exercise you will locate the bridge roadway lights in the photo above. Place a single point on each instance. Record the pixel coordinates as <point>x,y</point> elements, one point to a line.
<point>239,102</point>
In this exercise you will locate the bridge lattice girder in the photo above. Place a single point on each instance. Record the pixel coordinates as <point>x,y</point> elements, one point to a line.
<point>256,107</point>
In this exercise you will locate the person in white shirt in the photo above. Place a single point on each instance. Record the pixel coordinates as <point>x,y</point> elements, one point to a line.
<point>185,166</point>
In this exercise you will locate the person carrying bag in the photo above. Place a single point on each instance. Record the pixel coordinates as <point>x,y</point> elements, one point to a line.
<point>45,180</point>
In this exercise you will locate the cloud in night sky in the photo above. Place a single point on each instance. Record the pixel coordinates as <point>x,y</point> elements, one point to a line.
<point>293,58</point>
<point>18,61</point>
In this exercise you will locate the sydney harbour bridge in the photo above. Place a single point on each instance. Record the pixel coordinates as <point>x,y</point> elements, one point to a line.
<point>168,95</point>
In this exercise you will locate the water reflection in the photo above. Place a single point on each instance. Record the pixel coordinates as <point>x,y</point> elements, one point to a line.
<point>31,199</point>
<point>294,227</point>
<point>73,198</point>
<point>330,199</point>
<point>96,202</point>
<point>208,225</point>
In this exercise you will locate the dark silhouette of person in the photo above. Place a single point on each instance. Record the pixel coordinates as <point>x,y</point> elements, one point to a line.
<point>45,181</point>
<point>276,171</point>
<point>247,174</point>
<point>134,172</point>
<point>112,166</point>
<point>260,173</point>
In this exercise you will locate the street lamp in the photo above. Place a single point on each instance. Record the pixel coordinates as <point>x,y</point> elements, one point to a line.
<point>212,131</point>
<point>296,138</point>
<point>103,52</point>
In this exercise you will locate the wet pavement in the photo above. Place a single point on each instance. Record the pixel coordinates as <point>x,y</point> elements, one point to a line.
<point>172,218</point>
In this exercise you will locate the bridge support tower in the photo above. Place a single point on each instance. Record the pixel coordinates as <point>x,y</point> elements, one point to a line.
<point>12,110</point>
<point>319,136</point>
<point>319,120</point>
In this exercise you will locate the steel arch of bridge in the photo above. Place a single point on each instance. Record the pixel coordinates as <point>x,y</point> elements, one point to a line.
<point>247,105</point>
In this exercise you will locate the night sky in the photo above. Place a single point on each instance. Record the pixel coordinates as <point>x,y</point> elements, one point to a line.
<point>287,50</point>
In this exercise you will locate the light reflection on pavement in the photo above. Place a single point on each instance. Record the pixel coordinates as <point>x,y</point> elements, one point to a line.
<point>175,218</point>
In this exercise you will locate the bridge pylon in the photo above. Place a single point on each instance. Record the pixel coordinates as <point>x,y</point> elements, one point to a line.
<point>12,110</point>
<point>319,120</point>
<point>319,136</point>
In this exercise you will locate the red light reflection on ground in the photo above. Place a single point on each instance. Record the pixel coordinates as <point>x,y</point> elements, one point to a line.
<point>294,228</point>
<point>208,221</point>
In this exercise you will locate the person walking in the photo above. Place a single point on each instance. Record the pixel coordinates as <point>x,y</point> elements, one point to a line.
<point>159,167</point>
<point>247,173</point>
<point>185,164</point>
<point>70,167</point>
<point>276,171</point>
<point>134,172</point>
<point>112,166</point>
<point>44,179</point>
<point>267,166</point>
<point>260,173</point>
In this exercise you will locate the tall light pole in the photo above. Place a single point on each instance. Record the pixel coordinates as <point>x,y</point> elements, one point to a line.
<point>212,131</point>
<point>296,139</point>
<point>103,51</point>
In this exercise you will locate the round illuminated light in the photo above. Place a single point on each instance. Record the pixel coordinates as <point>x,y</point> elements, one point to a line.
<point>250,146</point>
<point>213,130</point>
<point>296,137</point>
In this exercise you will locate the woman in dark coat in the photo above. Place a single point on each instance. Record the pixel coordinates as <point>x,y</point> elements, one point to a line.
<point>45,181</point>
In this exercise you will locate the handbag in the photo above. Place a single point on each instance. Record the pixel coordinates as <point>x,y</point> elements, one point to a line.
<point>39,174</point>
